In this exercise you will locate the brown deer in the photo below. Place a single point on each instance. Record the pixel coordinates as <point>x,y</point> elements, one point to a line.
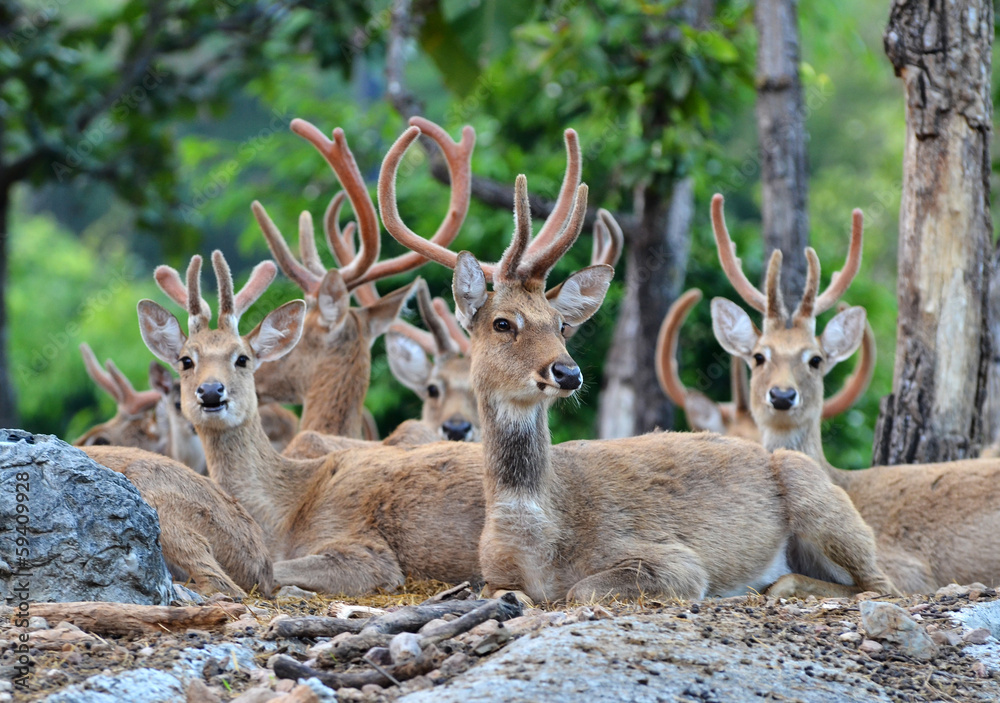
<point>734,418</point>
<point>681,515</point>
<point>139,420</point>
<point>184,446</point>
<point>934,523</point>
<point>350,522</point>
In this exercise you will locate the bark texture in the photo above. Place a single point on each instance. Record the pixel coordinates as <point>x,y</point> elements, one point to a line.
<point>942,51</point>
<point>781,133</point>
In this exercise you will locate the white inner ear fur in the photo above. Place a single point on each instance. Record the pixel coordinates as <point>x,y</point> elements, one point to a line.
<point>469,289</point>
<point>333,299</point>
<point>733,328</point>
<point>843,335</point>
<point>160,331</point>
<point>582,293</point>
<point>277,333</point>
<point>408,362</point>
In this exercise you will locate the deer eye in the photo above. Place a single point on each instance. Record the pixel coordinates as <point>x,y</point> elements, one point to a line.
<point>758,359</point>
<point>562,329</point>
<point>101,441</point>
<point>501,325</point>
<point>186,363</point>
<point>242,360</point>
<point>433,391</point>
<point>816,361</point>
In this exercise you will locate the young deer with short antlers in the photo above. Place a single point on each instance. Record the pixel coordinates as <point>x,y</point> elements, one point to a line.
<point>934,523</point>
<point>681,515</point>
<point>734,418</point>
<point>350,522</point>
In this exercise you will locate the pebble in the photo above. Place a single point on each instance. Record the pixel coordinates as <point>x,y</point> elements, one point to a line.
<point>850,637</point>
<point>258,694</point>
<point>979,670</point>
<point>953,590</point>
<point>36,623</point>
<point>870,647</point>
<point>978,636</point>
<point>436,622</point>
<point>404,646</point>
<point>370,689</point>
<point>284,686</point>
<point>320,649</point>
<point>145,651</point>
<point>380,655</point>
<point>890,622</point>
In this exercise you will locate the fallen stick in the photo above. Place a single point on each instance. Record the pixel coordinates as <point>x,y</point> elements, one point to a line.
<point>312,626</point>
<point>129,619</point>
<point>498,609</point>
<point>463,589</point>
<point>287,668</point>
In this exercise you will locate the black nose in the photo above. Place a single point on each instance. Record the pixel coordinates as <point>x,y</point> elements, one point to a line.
<point>456,429</point>
<point>210,394</point>
<point>782,398</point>
<point>569,378</point>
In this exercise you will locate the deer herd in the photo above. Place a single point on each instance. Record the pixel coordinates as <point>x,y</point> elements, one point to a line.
<point>251,497</point>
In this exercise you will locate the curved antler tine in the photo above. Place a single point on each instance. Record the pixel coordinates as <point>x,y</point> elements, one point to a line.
<point>842,279</point>
<point>855,386</point>
<point>261,277</point>
<point>458,158</point>
<point>341,243</point>
<point>544,260</point>
<point>98,374</point>
<point>566,201</point>
<point>197,317</point>
<point>132,402</point>
<point>731,264</point>
<point>169,281</point>
<point>338,154</point>
<point>302,276</point>
<point>775,307</point>
<point>307,245</point>
<point>394,225</point>
<point>805,313</point>
<point>444,344</point>
<point>511,258</point>
<point>224,278</point>
<point>666,347</point>
<point>451,322</point>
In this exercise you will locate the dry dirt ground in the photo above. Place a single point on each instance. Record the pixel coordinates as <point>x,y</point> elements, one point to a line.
<point>747,648</point>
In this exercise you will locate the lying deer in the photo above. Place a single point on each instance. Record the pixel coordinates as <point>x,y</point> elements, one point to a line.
<point>934,523</point>
<point>681,515</point>
<point>349,522</point>
<point>734,418</point>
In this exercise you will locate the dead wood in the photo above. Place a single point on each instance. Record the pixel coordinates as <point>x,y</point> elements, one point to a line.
<point>498,609</point>
<point>312,626</point>
<point>287,668</point>
<point>129,619</point>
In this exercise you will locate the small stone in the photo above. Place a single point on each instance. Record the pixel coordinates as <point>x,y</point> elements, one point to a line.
<point>36,623</point>
<point>850,637</point>
<point>6,697</point>
<point>371,689</point>
<point>284,686</point>
<point>953,590</point>
<point>303,693</point>
<point>978,636</point>
<point>484,628</point>
<point>240,628</point>
<point>380,655</point>
<point>419,683</point>
<point>454,664</point>
<point>198,692</point>
<point>533,621</point>
<point>890,622</point>
<point>870,647</point>
<point>257,694</point>
<point>979,670</point>
<point>145,652</point>
<point>404,646</point>
<point>6,685</point>
<point>436,622</point>
<point>947,637</point>
<point>337,639</point>
<point>294,592</point>
<point>320,649</point>
<point>348,695</point>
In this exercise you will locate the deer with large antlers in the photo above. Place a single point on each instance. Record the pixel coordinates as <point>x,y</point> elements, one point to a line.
<point>934,523</point>
<point>682,515</point>
<point>350,522</point>
<point>734,417</point>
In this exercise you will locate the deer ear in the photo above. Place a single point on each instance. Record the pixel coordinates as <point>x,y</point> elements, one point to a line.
<point>733,328</point>
<point>277,333</point>
<point>333,298</point>
<point>702,413</point>
<point>160,331</point>
<point>843,335</point>
<point>469,288</point>
<point>379,316</point>
<point>160,378</point>
<point>408,362</point>
<point>581,295</point>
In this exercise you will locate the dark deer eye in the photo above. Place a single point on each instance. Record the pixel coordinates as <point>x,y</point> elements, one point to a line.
<point>562,329</point>
<point>433,391</point>
<point>501,325</point>
<point>177,405</point>
<point>759,359</point>
<point>242,360</point>
<point>101,441</point>
<point>186,363</point>
<point>816,361</point>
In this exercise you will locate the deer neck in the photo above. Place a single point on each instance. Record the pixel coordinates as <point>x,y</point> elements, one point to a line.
<point>243,462</point>
<point>333,400</point>
<point>517,448</point>
<point>807,440</point>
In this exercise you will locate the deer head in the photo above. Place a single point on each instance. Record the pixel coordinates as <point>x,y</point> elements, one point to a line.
<point>787,360</point>
<point>216,366</point>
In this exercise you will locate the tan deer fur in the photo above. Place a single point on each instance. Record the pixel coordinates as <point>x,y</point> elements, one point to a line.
<point>681,515</point>
<point>350,522</point>
<point>934,524</point>
<point>206,535</point>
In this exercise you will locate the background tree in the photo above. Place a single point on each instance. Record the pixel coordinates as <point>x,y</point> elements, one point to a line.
<point>943,53</point>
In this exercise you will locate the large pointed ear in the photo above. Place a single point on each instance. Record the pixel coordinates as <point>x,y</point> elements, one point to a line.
<point>469,288</point>
<point>733,328</point>
<point>333,299</point>
<point>408,362</point>
<point>376,318</point>
<point>160,378</point>
<point>160,331</point>
<point>277,333</point>
<point>842,335</point>
<point>581,295</point>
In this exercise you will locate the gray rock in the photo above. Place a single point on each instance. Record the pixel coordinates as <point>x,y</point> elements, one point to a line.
<point>404,646</point>
<point>89,533</point>
<point>889,622</point>
<point>641,659</point>
<point>139,686</point>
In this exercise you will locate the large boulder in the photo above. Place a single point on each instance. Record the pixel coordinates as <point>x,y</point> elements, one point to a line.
<point>73,530</point>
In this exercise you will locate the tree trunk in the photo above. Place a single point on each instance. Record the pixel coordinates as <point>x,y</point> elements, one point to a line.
<point>656,255</point>
<point>8,407</point>
<point>781,132</point>
<point>942,51</point>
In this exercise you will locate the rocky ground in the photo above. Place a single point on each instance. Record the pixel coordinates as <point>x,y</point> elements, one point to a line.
<point>930,648</point>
